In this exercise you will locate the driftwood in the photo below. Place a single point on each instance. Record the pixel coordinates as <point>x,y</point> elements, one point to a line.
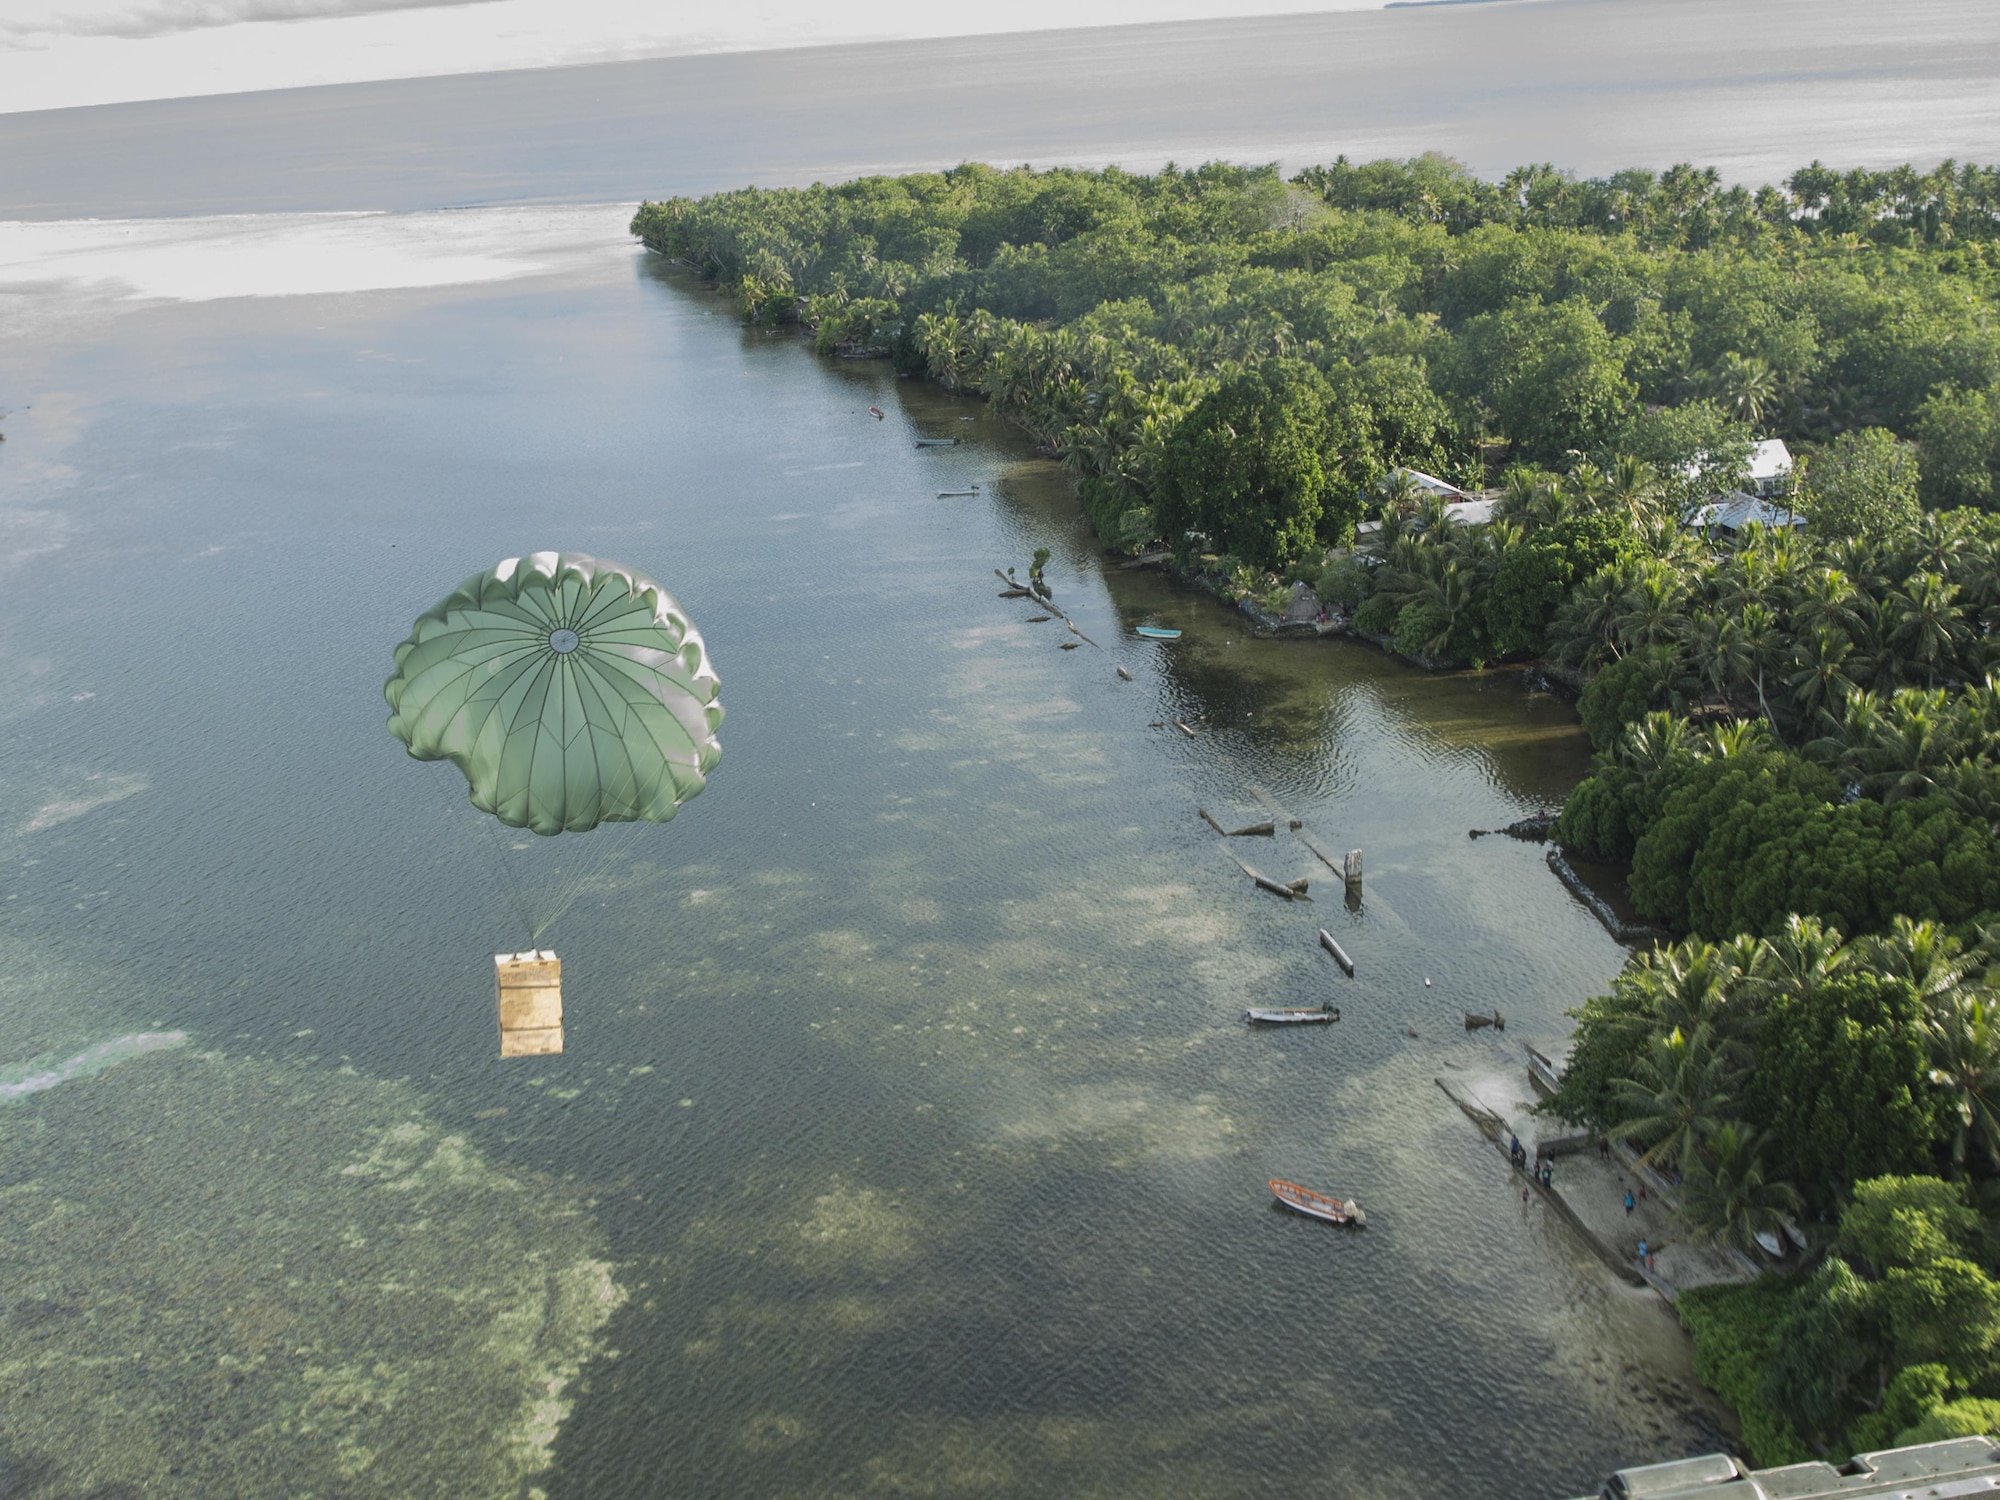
<point>1038,619</point>
<point>1068,646</point>
<point>1015,594</point>
<point>1040,596</point>
<point>1254,830</point>
<point>937,442</point>
<point>954,494</point>
<point>1474,1022</point>
<point>1292,891</point>
<point>1183,729</point>
<point>1124,674</point>
<point>1326,941</point>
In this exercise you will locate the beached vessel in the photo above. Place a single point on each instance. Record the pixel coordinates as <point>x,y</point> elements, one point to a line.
<point>1542,1074</point>
<point>1293,1015</point>
<point>1318,1205</point>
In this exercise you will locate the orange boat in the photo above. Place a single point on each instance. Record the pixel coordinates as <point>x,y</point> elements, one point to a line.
<point>1318,1205</point>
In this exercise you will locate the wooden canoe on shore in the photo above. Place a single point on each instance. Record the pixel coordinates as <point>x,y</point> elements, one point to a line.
<point>1318,1205</point>
<point>1293,1015</point>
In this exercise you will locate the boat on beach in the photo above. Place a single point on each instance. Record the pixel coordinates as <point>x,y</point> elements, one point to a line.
<point>1318,1205</point>
<point>1156,633</point>
<point>1293,1015</point>
<point>1542,1074</point>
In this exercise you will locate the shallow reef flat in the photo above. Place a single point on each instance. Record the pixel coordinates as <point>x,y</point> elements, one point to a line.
<point>236,1277</point>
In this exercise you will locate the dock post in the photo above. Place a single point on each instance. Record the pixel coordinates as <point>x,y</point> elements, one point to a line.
<point>1352,872</point>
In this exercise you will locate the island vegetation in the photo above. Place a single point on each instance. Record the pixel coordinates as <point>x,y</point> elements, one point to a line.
<point>1796,723</point>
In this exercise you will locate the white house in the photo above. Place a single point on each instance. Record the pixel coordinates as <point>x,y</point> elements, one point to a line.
<point>1770,466</point>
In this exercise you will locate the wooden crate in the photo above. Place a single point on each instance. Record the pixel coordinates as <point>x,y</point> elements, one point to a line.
<point>530,992</point>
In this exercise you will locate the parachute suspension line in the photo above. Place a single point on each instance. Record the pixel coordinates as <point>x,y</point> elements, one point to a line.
<point>460,805</point>
<point>607,847</point>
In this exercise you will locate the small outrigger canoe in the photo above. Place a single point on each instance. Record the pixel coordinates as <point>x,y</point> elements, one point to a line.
<point>1156,633</point>
<point>1294,1015</point>
<point>1318,1205</point>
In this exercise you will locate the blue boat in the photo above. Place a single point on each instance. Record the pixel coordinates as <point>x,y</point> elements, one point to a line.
<point>1155,633</point>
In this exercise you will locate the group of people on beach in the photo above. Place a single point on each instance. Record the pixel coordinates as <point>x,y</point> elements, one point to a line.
<point>1543,1171</point>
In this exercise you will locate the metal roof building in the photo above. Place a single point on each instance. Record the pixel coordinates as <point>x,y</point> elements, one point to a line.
<point>1731,513</point>
<point>1949,1470</point>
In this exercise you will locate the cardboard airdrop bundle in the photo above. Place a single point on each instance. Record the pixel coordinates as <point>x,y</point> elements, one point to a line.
<point>531,1014</point>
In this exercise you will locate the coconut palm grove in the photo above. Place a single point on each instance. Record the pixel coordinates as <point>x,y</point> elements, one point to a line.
<point>1293,381</point>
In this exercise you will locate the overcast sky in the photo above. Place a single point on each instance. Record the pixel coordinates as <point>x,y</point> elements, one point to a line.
<point>57,53</point>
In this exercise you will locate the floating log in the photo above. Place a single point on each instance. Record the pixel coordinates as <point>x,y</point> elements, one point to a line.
<point>937,442</point>
<point>1124,674</point>
<point>1015,594</point>
<point>954,494</point>
<point>1292,891</point>
<point>1474,1022</point>
<point>1041,597</point>
<point>531,1014</point>
<point>1068,646</point>
<point>1293,1015</point>
<point>1183,729</point>
<point>1038,619</point>
<point>1211,821</point>
<point>1326,941</point>
<point>1254,830</point>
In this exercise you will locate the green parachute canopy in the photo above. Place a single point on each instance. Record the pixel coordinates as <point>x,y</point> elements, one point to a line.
<point>569,690</point>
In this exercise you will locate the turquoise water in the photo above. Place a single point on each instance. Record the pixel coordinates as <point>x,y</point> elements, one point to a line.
<point>907,1138</point>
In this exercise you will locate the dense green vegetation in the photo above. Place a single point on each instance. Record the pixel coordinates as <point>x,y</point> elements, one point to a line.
<point>1797,728</point>
<point>1826,1082</point>
<point>1452,321</point>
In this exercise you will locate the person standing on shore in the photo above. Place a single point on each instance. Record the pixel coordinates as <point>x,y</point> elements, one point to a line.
<point>1628,1203</point>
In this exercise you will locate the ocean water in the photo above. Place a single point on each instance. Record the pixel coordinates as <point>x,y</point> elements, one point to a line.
<point>1755,87</point>
<point>908,1138</point>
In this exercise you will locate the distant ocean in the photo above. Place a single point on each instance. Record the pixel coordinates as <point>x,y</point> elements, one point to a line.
<point>1754,87</point>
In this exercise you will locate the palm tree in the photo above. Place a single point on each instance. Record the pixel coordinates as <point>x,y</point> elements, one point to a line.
<point>1819,682</point>
<point>1912,746</point>
<point>1633,485</point>
<point>1924,956</point>
<point>1690,985</point>
<point>1805,955</point>
<point>1584,632</point>
<point>1923,624</point>
<point>1963,1034</point>
<point>1677,1100</point>
<point>1727,1194</point>
<point>1655,742</point>
<point>1826,601</point>
<point>1652,613</point>
<point>1714,644</point>
<point>1449,591</point>
<point>1746,386</point>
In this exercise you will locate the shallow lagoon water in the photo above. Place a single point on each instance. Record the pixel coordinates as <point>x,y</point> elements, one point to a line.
<point>908,1138</point>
